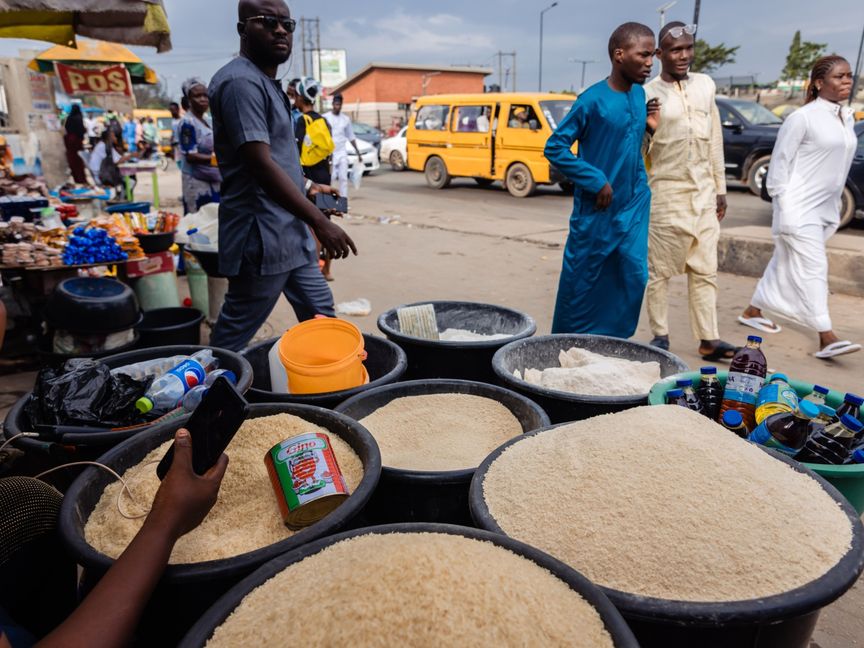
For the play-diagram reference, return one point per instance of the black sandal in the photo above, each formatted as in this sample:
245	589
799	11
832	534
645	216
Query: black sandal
661	342
723	351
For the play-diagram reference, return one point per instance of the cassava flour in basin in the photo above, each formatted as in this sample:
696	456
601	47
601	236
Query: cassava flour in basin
414	589
591	374
460	335
438	432
246	516
662	502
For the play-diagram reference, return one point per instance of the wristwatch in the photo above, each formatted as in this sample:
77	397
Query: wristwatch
308	185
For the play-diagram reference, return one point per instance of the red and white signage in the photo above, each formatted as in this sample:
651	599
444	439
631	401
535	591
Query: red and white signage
112	80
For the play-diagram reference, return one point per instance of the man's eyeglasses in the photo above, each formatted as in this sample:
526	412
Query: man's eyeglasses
272	22
678	32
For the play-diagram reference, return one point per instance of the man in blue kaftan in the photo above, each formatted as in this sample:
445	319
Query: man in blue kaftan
605	266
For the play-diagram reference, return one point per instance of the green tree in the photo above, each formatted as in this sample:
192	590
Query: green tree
802	55
151	96
709	58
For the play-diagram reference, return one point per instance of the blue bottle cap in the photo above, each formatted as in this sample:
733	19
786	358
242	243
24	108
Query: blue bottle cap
854	399
780	376
674	393
684	382
708	371
852	423
819	389
732	419
754	338
858	456
827	411
808	409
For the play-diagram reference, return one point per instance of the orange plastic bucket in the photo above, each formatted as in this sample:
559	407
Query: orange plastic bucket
323	355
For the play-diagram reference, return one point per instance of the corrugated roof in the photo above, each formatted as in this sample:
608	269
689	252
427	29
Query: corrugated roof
485	71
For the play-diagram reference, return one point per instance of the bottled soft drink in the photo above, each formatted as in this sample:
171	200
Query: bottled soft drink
710	392
827	415
746	376
817	395
787	431
775	397
167	391
733	422
147	368
851	406
219	373
832	445
194	397
676	397
690	396
857	456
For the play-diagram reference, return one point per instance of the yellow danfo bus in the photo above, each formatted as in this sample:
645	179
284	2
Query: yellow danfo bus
488	137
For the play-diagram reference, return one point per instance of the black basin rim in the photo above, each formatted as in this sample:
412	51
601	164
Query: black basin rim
89	557
800	601
447	386
621	634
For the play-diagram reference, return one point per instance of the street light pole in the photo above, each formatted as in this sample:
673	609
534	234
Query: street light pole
662	11
540	75
858	63
584	63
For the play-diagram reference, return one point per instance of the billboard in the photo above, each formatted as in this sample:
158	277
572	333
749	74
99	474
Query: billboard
113	79
330	66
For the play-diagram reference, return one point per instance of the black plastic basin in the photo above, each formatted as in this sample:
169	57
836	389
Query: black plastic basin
542	352
187	590
621	635
170	326
385	364
426	496
92	305
460	360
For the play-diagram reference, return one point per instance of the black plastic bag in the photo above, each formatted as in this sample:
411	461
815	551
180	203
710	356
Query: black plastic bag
85	392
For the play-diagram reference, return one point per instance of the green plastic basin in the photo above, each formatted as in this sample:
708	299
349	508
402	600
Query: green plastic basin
849	480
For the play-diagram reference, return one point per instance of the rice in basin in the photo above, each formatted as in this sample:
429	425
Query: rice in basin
664	503
246	514
414	589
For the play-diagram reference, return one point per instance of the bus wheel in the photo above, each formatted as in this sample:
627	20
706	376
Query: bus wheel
520	182
436	173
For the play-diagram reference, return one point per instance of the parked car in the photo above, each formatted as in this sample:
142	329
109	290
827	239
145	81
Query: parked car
369	154
749	133
368	133
395	150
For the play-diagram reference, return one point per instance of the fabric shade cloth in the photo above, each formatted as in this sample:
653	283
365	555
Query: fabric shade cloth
133	22
94	53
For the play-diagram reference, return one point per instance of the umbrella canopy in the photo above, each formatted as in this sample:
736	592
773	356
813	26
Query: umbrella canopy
134	22
94	52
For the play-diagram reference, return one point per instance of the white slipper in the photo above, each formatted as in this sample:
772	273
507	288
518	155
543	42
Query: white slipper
760	324
837	348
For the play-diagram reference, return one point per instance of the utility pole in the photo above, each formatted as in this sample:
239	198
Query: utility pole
310	37
662	11
540	75
696	17
858	71
503	72
584	63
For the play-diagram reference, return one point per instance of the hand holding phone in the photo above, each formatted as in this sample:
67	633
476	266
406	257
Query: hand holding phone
211	427
329	203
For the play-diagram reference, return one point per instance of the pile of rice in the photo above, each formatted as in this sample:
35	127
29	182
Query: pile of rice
246	515
662	502
439	432
417	589
591	374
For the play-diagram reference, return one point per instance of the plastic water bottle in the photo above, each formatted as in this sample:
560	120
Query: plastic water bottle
710	392
690	397
745	379
775	397
787	431
832	445
676	397
734	422
147	368
818	395
229	375
167	392
200	241
194	396
827	415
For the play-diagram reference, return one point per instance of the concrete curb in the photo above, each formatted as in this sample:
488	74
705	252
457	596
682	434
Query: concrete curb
747	250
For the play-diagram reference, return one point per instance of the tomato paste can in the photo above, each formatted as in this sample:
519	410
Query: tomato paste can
306	478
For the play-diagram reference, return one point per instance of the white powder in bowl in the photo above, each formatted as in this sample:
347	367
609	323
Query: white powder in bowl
438	432
662	502
591	374
414	589
461	335
246	515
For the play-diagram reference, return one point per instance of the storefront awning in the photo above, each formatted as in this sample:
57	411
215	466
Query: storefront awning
94	53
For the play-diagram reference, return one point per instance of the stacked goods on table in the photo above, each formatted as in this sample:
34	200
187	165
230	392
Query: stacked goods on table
160	222
28	244
93	245
22	185
121	231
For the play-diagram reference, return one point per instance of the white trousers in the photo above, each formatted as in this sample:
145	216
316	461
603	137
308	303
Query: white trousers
339	177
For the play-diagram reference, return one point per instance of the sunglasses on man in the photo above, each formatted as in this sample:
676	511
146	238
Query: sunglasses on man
678	32
272	22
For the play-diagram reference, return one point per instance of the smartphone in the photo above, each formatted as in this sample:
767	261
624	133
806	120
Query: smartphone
325	202
212	426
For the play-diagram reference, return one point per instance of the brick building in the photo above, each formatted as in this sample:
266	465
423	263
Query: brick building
382	92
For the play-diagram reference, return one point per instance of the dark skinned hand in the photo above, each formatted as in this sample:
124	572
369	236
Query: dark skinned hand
604	198
335	243
653	119
721	207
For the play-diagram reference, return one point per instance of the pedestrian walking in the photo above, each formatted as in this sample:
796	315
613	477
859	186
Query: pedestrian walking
265	217
74	143
201	177
343	134
809	165
314	139
605	266
687	177
129	130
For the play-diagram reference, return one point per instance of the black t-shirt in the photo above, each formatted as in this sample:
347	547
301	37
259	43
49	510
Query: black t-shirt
318	173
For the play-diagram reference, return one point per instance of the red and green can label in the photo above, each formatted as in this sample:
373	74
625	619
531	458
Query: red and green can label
303	469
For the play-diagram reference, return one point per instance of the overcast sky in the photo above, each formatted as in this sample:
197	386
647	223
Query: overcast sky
458	32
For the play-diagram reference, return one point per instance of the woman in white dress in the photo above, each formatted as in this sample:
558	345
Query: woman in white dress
808	170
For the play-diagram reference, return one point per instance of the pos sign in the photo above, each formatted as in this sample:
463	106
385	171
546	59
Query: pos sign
85	81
